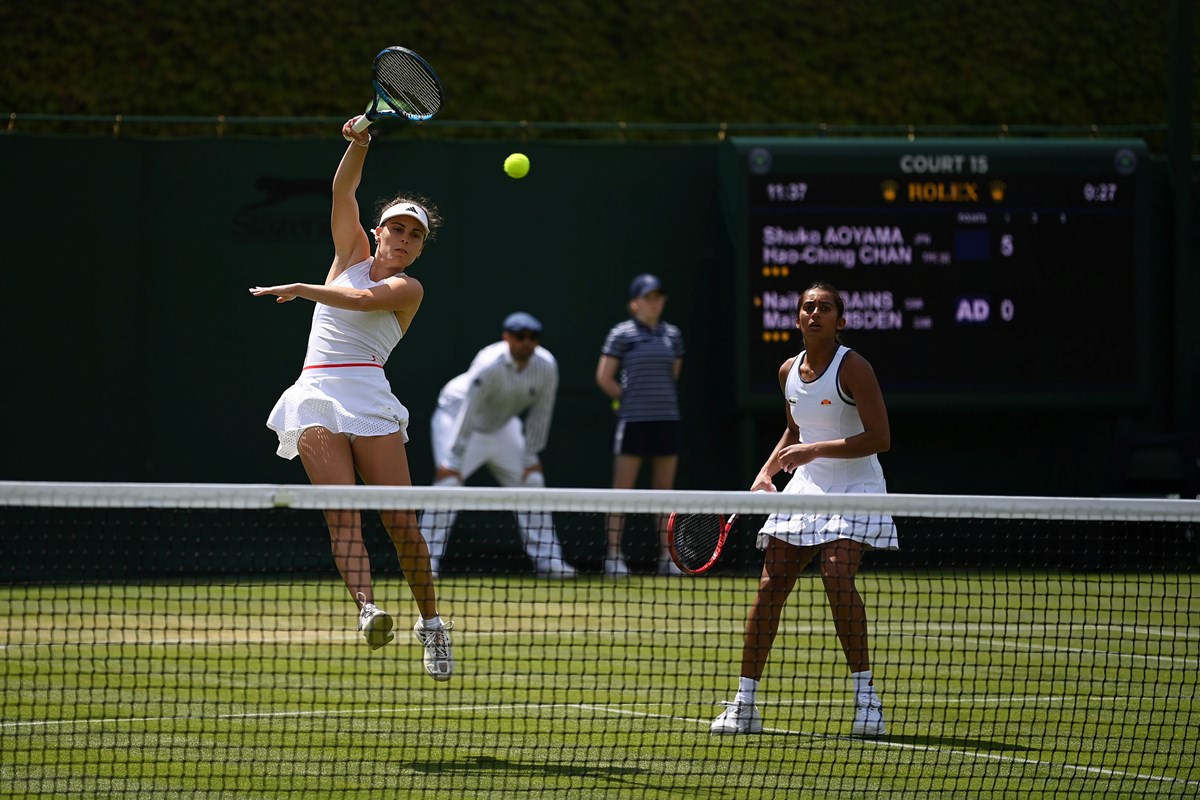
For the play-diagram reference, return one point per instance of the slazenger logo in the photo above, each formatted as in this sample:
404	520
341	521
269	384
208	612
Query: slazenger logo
282	213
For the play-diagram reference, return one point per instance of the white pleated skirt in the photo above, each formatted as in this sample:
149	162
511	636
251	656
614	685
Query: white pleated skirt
809	530
352	400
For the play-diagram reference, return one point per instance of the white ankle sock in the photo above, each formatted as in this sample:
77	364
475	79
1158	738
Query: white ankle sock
862	682
432	623
747	690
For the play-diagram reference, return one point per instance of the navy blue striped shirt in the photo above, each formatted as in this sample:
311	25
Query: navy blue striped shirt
647	370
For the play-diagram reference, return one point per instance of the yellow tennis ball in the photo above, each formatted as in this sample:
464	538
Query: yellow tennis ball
516	165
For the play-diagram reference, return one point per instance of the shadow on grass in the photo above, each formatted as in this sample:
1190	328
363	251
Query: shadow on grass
635	780
943	742
488	765
957	743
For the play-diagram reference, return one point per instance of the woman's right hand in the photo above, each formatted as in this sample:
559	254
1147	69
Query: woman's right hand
763	483
361	138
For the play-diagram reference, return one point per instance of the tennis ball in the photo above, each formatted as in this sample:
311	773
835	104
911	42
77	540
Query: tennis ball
516	165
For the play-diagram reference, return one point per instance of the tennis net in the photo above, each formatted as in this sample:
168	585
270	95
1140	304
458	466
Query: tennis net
165	640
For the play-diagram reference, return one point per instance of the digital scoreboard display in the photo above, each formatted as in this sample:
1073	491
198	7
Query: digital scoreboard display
995	271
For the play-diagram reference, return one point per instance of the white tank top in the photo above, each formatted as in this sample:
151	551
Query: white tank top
823	413
340	336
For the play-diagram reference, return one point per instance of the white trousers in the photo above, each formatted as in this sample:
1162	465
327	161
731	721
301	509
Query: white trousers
503	453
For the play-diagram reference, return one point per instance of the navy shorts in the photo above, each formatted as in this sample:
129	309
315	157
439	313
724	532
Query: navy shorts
648	439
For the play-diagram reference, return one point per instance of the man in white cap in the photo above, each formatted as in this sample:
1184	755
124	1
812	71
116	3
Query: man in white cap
497	414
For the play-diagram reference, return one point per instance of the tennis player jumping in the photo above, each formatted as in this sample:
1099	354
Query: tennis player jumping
836	423
340	416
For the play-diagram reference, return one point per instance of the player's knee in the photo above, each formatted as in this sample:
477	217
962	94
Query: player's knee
839	586
535	479
771	583
835	572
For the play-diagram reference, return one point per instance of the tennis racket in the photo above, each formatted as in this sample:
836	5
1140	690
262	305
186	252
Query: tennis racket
697	540
405	86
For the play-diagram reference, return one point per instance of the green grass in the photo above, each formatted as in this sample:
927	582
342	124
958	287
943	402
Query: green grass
996	684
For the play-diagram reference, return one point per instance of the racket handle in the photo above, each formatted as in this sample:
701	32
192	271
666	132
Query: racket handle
360	124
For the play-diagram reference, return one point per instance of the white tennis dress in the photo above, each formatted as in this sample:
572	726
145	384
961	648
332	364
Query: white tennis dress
343	387
823	413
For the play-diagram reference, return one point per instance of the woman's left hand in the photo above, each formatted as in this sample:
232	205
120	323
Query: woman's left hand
283	293
795	455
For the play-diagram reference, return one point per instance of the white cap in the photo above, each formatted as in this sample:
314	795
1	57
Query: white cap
406	210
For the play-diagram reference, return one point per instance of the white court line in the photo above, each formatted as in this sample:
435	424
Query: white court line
1019	629
1003	644
897	700
220	637
410	710
270	715
216	638
1034	762
961	699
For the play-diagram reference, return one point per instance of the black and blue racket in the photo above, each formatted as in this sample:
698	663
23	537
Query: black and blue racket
405	86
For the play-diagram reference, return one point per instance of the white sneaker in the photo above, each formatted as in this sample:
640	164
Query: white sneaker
555	569
616	568
374	624
737	718
868	716
439	658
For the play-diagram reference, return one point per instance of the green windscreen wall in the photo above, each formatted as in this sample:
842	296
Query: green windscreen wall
135	352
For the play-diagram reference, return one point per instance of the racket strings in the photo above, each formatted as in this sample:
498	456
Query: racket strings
695	538
408	85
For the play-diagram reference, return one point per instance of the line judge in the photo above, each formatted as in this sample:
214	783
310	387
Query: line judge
497	415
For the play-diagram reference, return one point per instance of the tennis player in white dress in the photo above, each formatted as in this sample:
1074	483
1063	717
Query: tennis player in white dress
340	416
836	424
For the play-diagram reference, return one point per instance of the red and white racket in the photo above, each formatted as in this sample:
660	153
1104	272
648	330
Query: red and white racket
697	540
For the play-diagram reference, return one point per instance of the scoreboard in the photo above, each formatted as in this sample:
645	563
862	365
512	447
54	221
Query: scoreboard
973	271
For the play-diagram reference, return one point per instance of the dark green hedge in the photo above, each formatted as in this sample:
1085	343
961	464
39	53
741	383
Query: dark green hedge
860	62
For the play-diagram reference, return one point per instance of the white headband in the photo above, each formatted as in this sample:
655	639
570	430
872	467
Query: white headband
406	210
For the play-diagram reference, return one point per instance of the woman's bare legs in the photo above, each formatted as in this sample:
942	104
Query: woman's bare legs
329	461
840	561
782	565
383	461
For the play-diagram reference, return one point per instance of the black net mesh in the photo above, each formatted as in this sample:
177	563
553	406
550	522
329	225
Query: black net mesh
208	648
